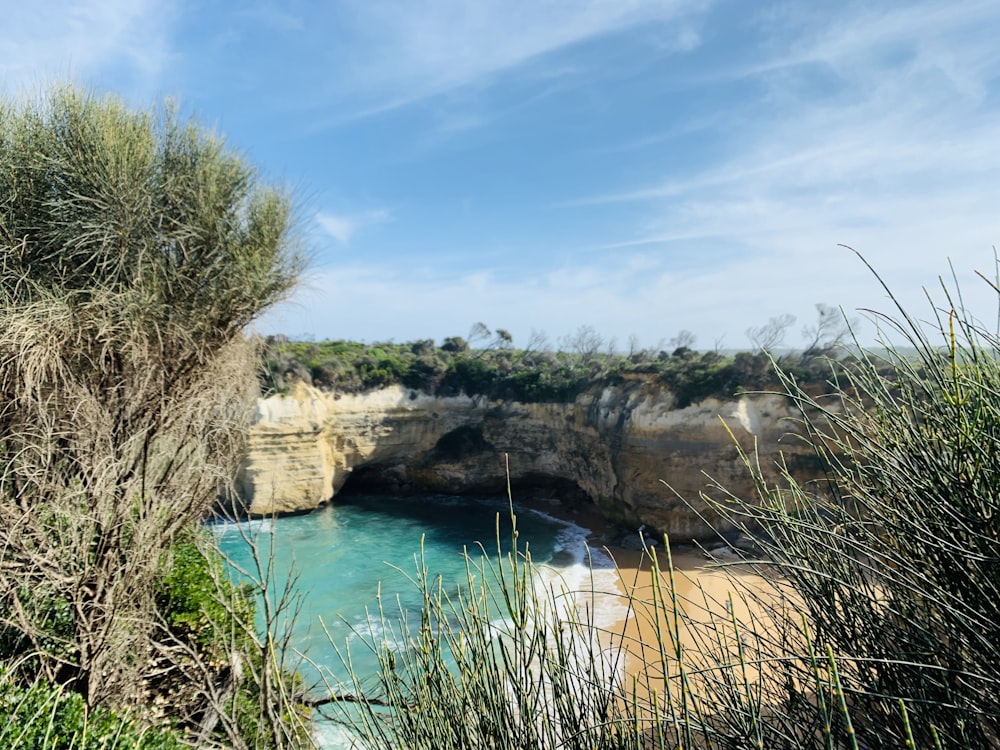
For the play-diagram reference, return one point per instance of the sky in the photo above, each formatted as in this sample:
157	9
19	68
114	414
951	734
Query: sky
641	167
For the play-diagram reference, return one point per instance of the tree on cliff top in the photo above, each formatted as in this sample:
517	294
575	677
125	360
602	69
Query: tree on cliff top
134	249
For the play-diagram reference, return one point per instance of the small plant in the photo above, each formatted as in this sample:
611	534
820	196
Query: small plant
42	716
231	660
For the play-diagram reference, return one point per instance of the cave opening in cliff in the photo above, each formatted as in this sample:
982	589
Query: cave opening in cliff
526	488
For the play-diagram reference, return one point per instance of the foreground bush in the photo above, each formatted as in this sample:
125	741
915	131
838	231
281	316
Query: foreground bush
134	249
881	629
896	559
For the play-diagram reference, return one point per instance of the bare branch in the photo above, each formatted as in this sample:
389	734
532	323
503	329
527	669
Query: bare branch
768	337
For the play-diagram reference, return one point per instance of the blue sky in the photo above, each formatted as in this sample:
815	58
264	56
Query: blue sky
638	166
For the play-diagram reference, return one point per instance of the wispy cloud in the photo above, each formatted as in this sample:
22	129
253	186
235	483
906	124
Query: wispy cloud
952	37
877	129
405	52
628	296
70	39
343	227
272	16
637	294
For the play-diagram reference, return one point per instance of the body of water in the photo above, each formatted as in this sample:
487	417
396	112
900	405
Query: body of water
341	556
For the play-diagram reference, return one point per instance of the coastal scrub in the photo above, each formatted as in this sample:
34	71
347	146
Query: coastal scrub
135	247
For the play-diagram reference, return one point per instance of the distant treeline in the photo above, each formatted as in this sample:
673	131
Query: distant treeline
501	371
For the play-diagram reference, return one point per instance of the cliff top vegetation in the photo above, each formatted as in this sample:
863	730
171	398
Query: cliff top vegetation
538	372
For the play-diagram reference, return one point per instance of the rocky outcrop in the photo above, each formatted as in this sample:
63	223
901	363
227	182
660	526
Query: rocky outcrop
612	446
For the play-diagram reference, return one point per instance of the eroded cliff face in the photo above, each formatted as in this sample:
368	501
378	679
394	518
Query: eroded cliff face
612	447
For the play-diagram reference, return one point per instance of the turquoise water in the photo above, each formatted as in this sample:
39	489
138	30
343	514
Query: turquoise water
340	555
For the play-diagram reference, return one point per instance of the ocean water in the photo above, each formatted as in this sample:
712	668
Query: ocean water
341	556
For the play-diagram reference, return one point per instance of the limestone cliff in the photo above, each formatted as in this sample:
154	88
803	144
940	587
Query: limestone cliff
611	446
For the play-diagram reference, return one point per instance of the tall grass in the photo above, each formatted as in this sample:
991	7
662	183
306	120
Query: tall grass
896	557
506	661
875	623
499	663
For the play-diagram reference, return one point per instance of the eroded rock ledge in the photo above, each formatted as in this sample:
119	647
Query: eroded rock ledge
611	446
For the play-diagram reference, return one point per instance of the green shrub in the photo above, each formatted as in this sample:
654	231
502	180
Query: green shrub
191	602
694	377
469	376
42	716
136	248
506	373
423	374
215	622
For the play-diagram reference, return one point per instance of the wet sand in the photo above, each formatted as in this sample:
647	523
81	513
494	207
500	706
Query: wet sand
715	604
716	601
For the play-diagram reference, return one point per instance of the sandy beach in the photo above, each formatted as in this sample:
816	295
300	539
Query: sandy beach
716	600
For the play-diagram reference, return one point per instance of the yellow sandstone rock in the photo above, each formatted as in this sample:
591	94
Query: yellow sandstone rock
610	446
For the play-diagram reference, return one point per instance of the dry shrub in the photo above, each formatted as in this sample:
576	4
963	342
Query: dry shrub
134	249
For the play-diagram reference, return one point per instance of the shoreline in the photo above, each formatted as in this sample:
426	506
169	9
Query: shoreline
637	619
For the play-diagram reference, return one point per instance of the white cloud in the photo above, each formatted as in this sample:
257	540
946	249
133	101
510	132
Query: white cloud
272	16
82	39
954	37
633	295
342	227
896	157
406	51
